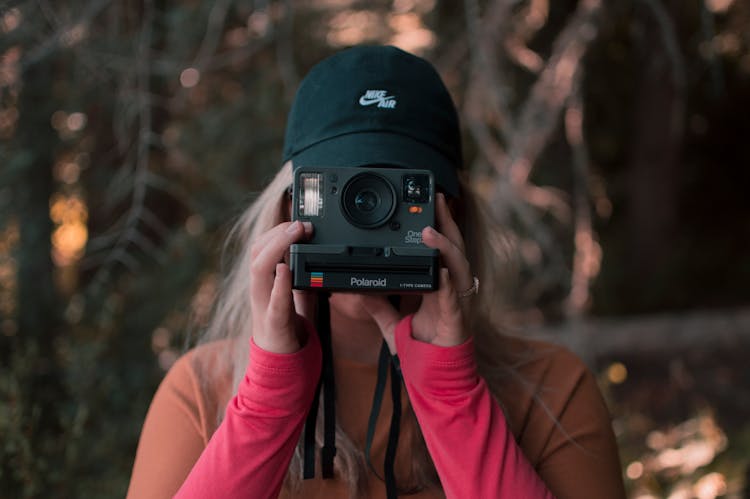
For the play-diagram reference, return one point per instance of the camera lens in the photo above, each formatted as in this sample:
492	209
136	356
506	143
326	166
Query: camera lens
368	200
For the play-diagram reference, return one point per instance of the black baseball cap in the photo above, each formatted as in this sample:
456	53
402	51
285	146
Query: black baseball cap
375	105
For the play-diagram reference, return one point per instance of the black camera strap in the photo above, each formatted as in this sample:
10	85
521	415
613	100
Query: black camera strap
327	385
386	362
308	470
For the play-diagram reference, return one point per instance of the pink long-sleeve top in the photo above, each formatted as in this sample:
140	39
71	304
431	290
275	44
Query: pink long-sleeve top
469	438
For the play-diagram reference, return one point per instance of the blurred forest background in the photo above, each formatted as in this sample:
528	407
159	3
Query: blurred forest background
609	138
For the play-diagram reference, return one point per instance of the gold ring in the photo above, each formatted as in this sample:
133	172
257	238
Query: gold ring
473	290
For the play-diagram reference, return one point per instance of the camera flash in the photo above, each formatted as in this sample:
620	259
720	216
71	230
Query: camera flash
415	209
311	195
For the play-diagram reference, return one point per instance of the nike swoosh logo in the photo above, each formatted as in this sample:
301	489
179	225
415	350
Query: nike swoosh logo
363	101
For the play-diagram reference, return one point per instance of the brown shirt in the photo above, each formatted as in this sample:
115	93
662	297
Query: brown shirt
554	409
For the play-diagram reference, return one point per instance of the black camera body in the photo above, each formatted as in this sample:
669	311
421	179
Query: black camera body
367	229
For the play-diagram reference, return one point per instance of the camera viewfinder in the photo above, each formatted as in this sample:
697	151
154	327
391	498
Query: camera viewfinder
416	188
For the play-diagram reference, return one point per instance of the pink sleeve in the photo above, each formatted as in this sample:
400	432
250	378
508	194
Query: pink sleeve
249	453
464	427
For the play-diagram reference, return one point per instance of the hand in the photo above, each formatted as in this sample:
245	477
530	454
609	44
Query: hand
277	312
439	320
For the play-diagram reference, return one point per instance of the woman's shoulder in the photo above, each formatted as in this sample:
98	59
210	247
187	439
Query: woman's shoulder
201	363
544	362
200	382
551	395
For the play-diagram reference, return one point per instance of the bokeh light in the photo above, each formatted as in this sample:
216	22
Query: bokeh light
718	6
67	172
195	225
352	27
9	236
190	77
160	339
9	70
617	373
634	470
10	20
70	214
76	121
258	24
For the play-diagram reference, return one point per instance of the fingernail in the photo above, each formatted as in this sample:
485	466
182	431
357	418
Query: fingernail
279	268
293	227
429	230
308	226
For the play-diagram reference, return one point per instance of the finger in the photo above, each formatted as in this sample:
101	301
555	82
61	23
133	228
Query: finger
450	330
263	265
280	332
261	241
446	224
280	311
385	316
453	258
305	303
447	296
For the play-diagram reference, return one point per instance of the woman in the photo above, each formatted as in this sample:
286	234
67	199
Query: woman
483	415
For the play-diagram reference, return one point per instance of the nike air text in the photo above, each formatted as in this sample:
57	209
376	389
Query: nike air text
378	97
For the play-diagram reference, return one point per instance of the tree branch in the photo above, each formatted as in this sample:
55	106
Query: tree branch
58	39
538	117
142	113
671	334
587	254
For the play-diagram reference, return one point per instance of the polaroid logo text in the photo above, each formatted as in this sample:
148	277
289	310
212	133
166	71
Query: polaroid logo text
361	282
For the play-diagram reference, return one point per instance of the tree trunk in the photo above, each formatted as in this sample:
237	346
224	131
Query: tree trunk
654	178
35	367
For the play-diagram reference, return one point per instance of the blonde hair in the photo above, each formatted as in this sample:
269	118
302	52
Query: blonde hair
231	317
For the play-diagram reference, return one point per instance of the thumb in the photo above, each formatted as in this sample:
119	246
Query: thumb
385	316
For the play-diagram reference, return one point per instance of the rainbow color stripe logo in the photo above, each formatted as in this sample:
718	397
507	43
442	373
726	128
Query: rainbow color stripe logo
316	279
